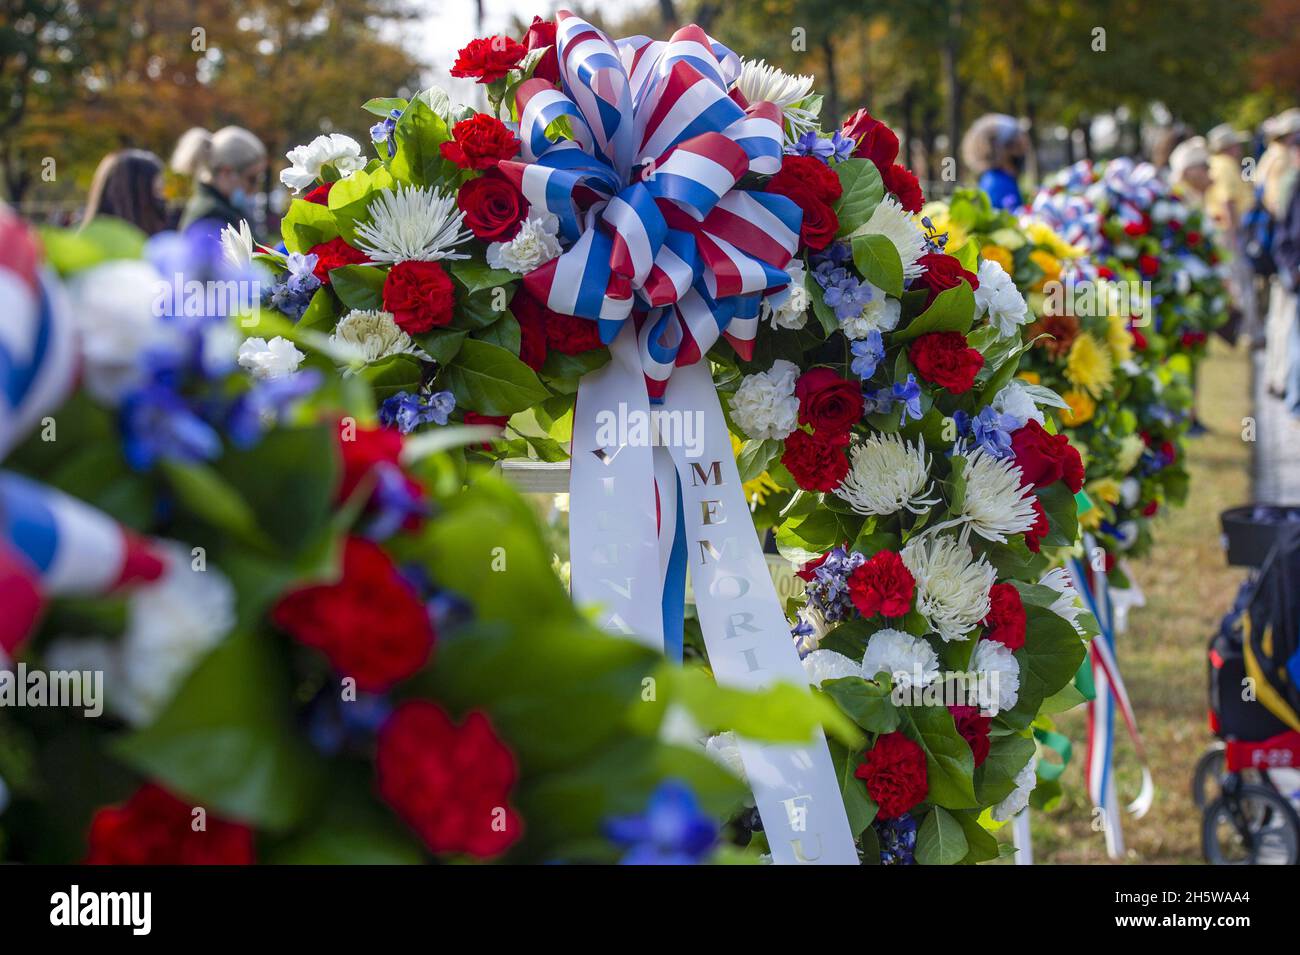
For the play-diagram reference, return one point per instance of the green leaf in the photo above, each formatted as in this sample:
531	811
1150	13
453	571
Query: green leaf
825	314
1048	661
755	456
418	135
868	703
359	286
941	839
390	375
949	764
207	495
488	379
860	807
307	224
1062	514
878	261
383	105
862	191
1066	698
350	198
478	276
504	331
564	371
953	310
321	314
102	239
982	846
996	777
441	344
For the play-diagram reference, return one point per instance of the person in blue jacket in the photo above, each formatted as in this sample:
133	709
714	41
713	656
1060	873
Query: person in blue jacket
994	149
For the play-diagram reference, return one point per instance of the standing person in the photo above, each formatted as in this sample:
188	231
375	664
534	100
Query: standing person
995	149
1286	253
1277	176
1227	201
128	186
227	167
1189	173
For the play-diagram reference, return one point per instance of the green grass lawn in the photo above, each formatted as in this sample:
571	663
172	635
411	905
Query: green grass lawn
1188	588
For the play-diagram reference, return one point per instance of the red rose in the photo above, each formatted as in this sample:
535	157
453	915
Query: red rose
363	450
1006	620
320	195
875	140
882	585
817	462
420	296
449	783
542	34
1046	458
894	771
480	142
369	624
828	402
1034	536
1105	273
153	827
809	172
943	272
488	58
819	224
900	181
974	729
493	207
945	359
1148	265
1149	510
334	254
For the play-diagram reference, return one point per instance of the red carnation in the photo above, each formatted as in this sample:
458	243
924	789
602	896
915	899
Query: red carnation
943	272
1148	265
493	207
828	402
542	330
945	359
1193	237
488	58
1140	227
365	449
450	783
420	296
875	140
817	462
894	771
369	624
900	181
334	254
1150	508
542	34
153	827
480	142
1034	536
882	585
1046	458
974	729
809	172
1006	620
320	195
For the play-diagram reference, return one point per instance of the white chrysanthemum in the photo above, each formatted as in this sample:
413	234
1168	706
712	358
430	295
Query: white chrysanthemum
343	152
896	224
536	243
366	335
1066	605
999	299
760	83
998	676
237	244
792	310
952	588
1016	402
277	358
1018	799
880	314
823	665
764	406
996	504
887	474
909	660
412	224
724	749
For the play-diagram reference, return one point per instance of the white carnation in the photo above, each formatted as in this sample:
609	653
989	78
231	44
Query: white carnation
1026	779
1015	401
277	358
536	243
764	406
952	588
823	665
792	308
724	749
909	660
343	152
881	314
998	676
998	298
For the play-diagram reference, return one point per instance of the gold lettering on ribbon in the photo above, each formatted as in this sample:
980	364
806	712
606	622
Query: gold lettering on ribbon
800	855
699	475
711	513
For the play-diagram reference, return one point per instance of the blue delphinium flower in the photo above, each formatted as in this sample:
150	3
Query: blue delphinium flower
839	147
842	292
334	724
381	134
867	354
990	430
828	590
803	633
673	829
265	404
158	423
407	411
394	502
907	393
294	290
897	840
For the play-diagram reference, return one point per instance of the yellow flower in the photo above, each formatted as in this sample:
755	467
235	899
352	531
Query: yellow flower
1119	339
1130	450
1040	233
1030	376
757	489
1011	239
1081	409
995	253
1089	365
1050	265
937	213
1091	520
1106	489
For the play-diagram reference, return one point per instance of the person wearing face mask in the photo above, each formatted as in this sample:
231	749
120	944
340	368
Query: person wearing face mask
128	186
995	149
228	168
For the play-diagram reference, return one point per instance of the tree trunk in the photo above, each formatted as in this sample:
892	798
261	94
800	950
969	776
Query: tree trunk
949	54
832	104
668	13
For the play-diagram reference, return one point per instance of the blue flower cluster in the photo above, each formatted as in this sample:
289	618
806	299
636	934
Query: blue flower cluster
406	412
905	393
842	291
990	430
293	292
673	829
839	147
897	840
828	590
381	134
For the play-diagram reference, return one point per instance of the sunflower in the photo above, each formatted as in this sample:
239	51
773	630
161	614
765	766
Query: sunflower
1081	409
1088	365
996	253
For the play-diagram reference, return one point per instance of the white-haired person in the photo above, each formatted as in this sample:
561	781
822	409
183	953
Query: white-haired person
228	167
1276	177
1227	202
995	149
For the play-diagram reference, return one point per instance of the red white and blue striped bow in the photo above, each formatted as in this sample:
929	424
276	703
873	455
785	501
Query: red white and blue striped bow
645	190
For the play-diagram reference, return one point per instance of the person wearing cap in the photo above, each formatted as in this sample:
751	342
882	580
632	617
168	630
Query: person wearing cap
995	149
1286	253
1276	176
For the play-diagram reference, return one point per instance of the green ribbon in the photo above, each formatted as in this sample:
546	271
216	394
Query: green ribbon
1059	744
